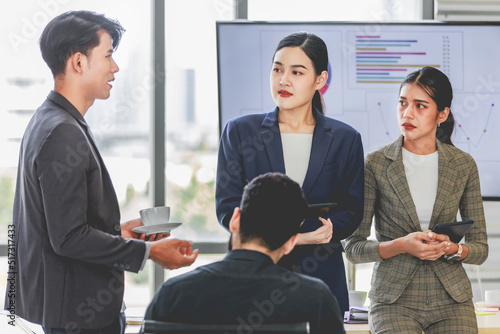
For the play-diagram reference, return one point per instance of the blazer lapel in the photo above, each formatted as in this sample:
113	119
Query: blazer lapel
105	174
322	140
447	175
271	137
66	105
397	177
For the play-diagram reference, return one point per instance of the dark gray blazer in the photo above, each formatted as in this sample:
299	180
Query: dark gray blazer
388	198
70	256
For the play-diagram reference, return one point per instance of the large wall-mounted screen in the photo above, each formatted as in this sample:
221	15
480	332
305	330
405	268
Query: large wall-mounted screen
367	62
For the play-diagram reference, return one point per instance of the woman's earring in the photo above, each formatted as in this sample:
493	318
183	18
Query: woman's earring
439	124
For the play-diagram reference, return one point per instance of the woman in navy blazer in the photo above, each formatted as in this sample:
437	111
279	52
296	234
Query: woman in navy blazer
252	145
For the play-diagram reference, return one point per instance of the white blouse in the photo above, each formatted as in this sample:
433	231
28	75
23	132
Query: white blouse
422	175
296	153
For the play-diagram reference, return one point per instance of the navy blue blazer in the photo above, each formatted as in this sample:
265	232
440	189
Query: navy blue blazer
251	145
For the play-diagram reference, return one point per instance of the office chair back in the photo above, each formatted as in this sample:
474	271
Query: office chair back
160	327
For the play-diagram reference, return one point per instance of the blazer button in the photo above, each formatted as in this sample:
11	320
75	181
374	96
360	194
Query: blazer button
115	265
122	266
127	266
118	228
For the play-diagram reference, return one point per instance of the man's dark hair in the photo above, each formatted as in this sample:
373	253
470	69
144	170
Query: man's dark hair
72	32
272	210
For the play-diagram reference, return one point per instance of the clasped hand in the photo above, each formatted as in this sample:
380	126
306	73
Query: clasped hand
427	245
321	235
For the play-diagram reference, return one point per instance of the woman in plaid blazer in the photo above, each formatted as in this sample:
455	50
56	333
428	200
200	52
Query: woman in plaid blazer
412	184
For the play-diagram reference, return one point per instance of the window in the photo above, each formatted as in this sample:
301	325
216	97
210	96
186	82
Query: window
325	10
192	133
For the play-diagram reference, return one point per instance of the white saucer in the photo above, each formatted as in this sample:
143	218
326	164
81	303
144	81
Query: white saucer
158	228
489	304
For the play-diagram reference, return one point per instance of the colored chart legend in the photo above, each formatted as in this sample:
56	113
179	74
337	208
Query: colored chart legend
387	58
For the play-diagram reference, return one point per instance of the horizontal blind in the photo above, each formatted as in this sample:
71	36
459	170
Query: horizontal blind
467	10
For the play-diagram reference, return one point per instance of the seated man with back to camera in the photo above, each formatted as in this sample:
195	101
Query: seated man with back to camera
247	288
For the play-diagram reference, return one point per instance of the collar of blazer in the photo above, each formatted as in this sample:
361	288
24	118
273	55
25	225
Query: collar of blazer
66	105
393	150
322	138
60	100
447	175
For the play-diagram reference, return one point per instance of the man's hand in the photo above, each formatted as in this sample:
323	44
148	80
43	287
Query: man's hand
131	224
172	253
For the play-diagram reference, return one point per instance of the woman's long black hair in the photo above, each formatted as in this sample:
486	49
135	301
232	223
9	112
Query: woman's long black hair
437	85
314	48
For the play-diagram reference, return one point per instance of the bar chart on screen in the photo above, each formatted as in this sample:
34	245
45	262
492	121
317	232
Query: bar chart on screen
388	57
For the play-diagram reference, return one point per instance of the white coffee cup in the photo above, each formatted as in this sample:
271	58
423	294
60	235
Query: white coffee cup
155	216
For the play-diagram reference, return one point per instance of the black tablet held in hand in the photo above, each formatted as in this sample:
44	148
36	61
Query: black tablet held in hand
320	209
455	231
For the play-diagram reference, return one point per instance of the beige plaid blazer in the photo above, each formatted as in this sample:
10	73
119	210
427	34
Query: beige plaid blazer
388	198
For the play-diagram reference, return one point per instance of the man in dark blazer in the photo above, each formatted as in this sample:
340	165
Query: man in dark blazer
70	248
247	288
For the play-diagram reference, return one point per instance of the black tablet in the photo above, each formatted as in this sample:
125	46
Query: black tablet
320	209
455	231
